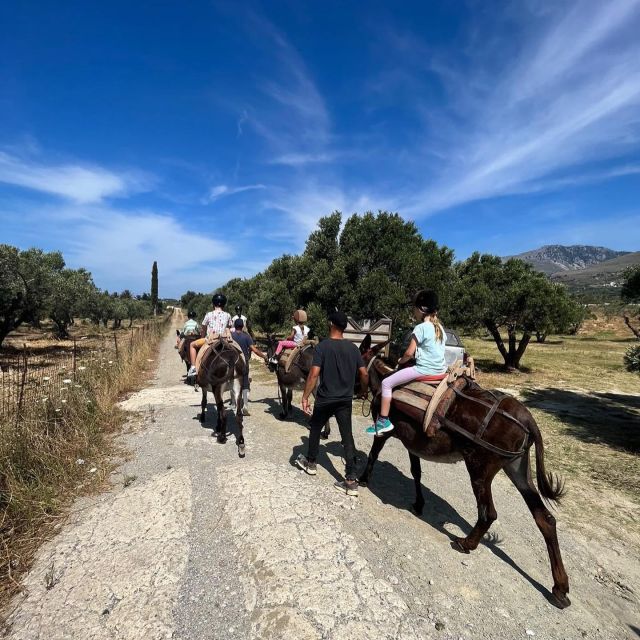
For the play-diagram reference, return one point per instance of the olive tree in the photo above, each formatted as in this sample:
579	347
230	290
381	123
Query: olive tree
511	301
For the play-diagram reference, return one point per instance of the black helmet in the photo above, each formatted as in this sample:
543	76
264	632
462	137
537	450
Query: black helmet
219	300
191	315
238	309
427	301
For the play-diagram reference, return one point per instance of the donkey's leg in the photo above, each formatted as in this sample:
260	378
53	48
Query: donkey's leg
203	405
482	470
376	448
519	472
416	472
237	390
221	424
289	400
283	401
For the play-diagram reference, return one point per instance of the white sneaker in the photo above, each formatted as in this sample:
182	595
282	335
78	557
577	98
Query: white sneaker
192	372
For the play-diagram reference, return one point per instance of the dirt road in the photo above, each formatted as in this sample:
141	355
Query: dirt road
193	542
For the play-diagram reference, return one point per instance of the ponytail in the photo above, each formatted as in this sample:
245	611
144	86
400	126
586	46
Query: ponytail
433	319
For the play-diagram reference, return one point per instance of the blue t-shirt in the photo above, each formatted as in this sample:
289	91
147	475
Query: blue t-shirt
245	342
429	352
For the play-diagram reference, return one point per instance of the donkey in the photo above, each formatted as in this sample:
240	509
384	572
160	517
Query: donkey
295	378
511	431
222	370
183	350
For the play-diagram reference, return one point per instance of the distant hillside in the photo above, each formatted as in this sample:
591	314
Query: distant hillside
556	258
603	278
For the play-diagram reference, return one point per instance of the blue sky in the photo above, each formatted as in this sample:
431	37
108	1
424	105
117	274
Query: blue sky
211	136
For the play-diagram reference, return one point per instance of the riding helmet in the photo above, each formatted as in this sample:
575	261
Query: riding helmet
300	315
219	300
427	301
238	309
191	315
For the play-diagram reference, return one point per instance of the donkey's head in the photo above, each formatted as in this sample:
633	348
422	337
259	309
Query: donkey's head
369	352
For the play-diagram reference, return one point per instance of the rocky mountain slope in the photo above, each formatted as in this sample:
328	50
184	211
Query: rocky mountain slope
555	258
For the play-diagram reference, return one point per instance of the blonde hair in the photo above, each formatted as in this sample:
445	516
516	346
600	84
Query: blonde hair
433	319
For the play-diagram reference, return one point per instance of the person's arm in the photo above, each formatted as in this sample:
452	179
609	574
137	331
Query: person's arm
312	380
410	352
291	335
364	382
257	351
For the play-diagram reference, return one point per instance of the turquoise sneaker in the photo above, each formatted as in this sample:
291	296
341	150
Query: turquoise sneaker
382	425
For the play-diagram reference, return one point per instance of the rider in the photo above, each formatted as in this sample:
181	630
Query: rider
239	316
427	346
298	333
246	343
216	321
336	362
190	328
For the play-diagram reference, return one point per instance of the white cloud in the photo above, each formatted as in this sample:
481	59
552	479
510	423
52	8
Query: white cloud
79	183
572	98
223	190
300	159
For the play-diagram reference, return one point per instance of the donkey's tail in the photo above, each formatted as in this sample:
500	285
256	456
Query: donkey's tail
550	485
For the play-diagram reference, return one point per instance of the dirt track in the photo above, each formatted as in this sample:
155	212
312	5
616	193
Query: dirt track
202	544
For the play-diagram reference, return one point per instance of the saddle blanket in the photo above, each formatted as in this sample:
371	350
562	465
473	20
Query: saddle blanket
212	342
432	399
290	355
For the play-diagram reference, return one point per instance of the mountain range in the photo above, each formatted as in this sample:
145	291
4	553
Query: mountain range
590	271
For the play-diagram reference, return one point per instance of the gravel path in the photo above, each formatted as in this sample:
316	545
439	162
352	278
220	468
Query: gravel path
193	542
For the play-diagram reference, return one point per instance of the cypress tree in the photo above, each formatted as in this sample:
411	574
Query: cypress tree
154	288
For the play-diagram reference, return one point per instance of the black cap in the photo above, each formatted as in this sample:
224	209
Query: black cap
339	319
239	323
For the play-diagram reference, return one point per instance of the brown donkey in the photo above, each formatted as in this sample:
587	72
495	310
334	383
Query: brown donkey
221	370
509	429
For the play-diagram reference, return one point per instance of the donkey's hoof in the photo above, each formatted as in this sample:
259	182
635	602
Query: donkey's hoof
417	509
559	599
459	545
241	452
221	438
282	416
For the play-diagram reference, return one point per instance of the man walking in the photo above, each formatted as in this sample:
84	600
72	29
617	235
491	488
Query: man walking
336	362
246	344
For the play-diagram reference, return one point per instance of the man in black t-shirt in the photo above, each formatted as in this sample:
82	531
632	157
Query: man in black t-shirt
336	362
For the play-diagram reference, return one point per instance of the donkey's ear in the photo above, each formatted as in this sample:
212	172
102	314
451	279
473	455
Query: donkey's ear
380	346
366	344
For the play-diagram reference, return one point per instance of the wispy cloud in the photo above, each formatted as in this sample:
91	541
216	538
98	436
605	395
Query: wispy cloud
119	246
223	190
81	183
572	98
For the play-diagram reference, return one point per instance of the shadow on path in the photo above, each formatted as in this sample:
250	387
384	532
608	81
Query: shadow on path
392	487
607	418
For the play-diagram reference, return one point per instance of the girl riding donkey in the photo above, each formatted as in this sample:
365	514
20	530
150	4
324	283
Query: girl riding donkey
298	333
427	346
216	321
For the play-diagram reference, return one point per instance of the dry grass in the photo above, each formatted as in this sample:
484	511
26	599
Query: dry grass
54	451
588	409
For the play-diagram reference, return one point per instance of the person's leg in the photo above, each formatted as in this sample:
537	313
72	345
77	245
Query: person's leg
383	424
321	414
342	413
245	393
282	344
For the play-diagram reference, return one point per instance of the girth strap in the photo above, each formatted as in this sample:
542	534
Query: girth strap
480	442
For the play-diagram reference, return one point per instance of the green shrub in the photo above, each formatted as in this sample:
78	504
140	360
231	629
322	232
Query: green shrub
632	359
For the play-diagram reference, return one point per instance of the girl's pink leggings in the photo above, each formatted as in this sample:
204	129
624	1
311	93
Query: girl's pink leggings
399	377
282	344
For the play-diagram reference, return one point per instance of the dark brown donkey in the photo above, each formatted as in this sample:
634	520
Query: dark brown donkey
485	417
183	351
295	378
222	370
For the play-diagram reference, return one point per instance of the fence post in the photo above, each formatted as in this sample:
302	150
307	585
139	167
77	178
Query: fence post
115	342
73	361
22	385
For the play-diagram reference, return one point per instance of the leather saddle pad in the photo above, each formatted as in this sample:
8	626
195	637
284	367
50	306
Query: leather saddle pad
431	400
292	356
212	344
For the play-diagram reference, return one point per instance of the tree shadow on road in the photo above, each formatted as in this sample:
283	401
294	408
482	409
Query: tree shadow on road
606	418
392	487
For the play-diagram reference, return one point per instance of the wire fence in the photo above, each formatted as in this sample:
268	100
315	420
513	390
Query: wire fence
35	378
